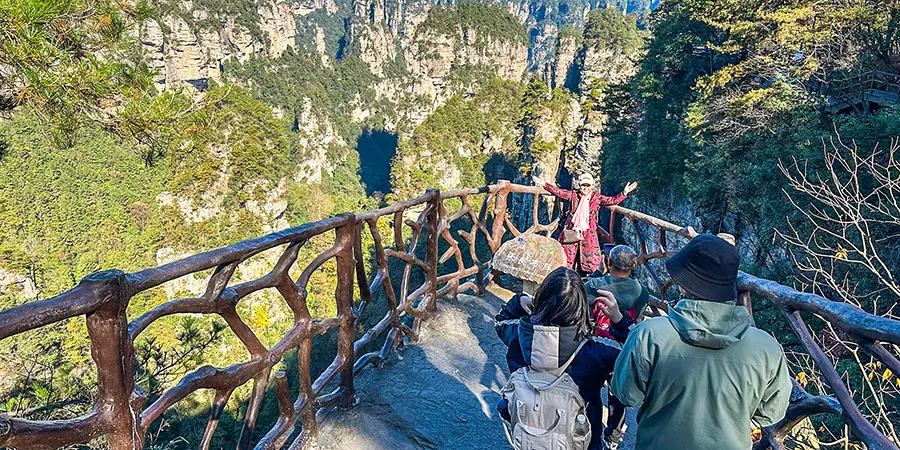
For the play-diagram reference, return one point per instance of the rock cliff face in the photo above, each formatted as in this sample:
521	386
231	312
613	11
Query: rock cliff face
316	136
187	44
561	71
547	152
422	51
600	66
420	54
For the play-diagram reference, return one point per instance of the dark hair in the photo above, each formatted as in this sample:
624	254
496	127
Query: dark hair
623	258
560	300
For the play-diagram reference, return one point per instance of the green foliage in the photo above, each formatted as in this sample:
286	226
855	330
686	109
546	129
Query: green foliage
541	105
726	90
333	26
237	128
570	32
243	13
94	206
483	20
50	51
67	213
451	141
296	80
152	122
468	78
609	28
720	98
158	364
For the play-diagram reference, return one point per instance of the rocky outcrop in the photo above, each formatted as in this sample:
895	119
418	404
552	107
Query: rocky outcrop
321	47
606	65
416	61
315	136
600	67
278	23
563	72
375	45
304	7
543	40
183	49
434	55
547	150
18	286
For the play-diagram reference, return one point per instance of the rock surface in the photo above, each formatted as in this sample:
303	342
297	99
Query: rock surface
438	393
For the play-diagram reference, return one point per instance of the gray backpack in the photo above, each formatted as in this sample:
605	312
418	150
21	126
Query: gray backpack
546	410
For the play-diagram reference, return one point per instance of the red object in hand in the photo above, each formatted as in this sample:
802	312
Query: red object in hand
603	323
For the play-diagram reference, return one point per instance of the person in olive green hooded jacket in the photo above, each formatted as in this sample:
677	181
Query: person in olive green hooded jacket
704	372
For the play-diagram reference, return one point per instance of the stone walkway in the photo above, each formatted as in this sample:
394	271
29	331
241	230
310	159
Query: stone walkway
439	393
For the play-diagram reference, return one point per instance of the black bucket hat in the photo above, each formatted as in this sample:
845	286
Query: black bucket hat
706	267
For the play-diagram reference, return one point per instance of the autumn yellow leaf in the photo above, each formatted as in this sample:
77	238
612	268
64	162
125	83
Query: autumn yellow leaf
802	379
887	374
756	434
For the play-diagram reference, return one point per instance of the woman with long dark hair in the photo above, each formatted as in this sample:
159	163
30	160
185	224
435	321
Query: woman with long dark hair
545	333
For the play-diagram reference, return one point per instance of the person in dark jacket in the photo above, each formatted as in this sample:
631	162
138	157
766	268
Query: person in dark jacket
631	297
544	333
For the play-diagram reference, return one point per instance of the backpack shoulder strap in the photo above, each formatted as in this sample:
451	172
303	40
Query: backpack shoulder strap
558	372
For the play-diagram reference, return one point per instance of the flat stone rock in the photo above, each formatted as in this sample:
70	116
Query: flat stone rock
440	393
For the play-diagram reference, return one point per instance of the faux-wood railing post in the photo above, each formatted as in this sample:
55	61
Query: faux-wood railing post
431	246
498	228
346	263
113	353
116	410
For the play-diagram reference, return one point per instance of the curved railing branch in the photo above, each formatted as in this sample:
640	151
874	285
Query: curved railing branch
409	275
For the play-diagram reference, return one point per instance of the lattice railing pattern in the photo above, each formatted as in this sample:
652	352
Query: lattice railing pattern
120	412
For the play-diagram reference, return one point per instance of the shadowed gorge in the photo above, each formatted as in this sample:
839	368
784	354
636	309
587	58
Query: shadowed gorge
376	148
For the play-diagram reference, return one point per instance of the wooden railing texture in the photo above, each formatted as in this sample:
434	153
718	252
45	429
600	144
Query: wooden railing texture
468	232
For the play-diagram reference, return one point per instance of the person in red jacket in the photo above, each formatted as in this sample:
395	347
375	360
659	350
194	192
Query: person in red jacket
579	236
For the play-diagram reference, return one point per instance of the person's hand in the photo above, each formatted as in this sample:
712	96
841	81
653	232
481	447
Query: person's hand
527	303
630	187
538	181
610	307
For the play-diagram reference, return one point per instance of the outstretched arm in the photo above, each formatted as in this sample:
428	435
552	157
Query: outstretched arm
563	194
606	200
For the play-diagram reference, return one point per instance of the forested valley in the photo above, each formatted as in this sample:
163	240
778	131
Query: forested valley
136	133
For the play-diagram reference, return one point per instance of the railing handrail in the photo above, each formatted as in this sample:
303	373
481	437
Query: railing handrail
103	298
